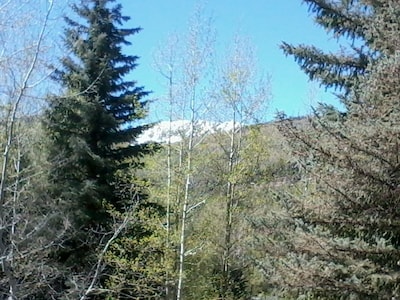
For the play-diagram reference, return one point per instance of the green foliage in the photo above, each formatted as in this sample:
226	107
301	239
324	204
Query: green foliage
91	125
206	222
92	132
343	19
341	230
136	258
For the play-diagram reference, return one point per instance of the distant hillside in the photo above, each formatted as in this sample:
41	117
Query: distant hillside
179	129
175	131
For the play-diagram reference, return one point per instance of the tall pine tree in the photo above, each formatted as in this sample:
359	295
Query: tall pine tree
345	20
343	233
92	127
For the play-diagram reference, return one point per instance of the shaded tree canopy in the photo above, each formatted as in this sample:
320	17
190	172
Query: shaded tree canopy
92	125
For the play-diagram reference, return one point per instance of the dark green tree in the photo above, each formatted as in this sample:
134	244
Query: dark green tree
342	229
93	126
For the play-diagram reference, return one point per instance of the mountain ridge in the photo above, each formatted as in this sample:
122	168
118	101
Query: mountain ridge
174	131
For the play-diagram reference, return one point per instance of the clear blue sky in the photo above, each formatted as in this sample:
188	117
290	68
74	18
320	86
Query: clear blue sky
266	22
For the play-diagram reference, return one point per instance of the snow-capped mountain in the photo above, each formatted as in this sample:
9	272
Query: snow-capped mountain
181	128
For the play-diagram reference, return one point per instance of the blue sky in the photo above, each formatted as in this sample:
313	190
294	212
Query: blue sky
266	22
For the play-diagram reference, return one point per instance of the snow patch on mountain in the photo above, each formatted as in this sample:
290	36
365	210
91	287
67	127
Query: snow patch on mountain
179	129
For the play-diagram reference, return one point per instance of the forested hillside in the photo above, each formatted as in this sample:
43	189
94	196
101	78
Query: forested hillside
224	206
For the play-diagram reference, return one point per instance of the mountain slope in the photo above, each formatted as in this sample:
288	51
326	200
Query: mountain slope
179	129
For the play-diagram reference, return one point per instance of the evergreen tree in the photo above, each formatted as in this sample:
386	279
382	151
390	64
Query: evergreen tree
91	126
342	232
344	19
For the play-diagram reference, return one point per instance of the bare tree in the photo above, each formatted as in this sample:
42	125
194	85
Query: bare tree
25	217
185	64
241	96
196	63
167	62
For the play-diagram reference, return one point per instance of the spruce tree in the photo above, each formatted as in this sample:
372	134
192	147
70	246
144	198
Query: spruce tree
343	233
345	20
93	126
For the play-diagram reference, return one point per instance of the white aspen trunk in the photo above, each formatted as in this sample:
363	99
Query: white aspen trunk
169	184
193	64
228	213
166	62
186	197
